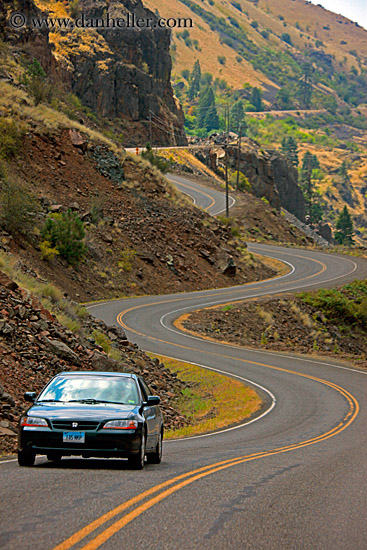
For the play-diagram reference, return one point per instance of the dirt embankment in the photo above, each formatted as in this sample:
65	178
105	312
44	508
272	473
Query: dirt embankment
142	236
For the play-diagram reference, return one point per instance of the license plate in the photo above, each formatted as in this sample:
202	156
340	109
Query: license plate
73	437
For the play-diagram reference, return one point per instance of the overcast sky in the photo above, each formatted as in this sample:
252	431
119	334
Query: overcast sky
356	10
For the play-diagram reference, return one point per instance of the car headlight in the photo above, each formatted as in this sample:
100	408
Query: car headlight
33	421
121	424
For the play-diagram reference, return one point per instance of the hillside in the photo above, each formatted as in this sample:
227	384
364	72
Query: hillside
285	68
118	76
261	26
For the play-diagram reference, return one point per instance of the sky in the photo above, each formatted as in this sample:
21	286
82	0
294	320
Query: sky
356	10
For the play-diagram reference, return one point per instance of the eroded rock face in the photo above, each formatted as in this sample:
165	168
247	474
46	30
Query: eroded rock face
119	73
129	74
268	173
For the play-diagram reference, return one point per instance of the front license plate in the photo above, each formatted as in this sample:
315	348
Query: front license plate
73	437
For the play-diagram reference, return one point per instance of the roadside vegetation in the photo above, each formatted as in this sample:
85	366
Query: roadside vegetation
211	400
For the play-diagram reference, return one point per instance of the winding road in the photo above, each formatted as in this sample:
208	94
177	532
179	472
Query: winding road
294	477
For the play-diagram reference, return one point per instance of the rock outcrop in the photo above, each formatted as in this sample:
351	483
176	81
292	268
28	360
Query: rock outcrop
267	172
120	74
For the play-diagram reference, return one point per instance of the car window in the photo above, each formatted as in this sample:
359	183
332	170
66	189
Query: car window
104	388
144	389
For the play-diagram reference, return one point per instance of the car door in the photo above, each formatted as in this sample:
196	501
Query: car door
150	414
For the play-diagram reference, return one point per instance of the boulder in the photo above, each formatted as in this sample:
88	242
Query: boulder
62	350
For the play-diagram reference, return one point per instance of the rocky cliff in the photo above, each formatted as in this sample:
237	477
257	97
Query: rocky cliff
268	174
120	74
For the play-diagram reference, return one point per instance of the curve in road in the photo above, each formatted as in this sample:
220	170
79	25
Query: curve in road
294	479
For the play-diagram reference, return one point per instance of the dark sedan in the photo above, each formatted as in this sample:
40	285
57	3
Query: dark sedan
99	414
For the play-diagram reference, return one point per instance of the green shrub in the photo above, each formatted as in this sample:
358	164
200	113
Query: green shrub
18	208
65	232
102	340
161	163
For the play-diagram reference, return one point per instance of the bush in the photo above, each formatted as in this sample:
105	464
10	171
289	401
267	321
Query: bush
127	259
286	38
47	251
18	208
65	232
10	138
162	164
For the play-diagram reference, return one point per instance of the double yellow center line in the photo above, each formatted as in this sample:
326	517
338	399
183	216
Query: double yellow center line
159	492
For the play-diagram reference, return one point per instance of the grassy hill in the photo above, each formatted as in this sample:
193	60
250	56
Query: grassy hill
244	45
248	30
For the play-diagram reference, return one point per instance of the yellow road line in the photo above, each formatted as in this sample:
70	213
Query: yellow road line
196	475
200	193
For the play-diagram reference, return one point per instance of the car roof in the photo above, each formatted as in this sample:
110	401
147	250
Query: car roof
98	373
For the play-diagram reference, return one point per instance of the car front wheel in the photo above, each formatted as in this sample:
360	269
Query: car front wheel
136	462
156	457
26	458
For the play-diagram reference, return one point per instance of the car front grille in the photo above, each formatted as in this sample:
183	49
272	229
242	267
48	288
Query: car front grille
84	425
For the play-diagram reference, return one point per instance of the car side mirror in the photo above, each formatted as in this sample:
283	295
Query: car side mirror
152	400
30	396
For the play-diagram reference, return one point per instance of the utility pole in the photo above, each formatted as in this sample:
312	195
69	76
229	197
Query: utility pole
150	129
226	160
238	157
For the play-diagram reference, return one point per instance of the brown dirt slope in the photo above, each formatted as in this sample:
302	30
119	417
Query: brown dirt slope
305	22
148	239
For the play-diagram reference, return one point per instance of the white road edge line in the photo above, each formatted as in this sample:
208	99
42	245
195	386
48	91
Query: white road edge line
265	390
229	346
213	290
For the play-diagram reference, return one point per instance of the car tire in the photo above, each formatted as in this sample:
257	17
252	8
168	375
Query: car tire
54	457
26	458
136	462
156	457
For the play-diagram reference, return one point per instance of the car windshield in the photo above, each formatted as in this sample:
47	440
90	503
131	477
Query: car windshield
91	389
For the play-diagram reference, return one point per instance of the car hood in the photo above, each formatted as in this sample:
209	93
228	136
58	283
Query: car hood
82	411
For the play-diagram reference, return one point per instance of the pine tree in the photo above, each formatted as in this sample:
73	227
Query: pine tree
256	99
343	171
305	85
211	121
237	115
206	100
290	150
344	225
195	81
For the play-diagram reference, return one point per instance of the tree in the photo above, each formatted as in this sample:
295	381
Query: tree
283	98
344	225
256	99
211	121
290	150
343	172
305	85
195	81
206	100
237	114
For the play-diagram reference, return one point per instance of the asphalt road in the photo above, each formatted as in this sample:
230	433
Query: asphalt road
293	478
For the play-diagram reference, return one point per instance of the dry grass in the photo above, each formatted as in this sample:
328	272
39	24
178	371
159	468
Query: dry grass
302	316
265	316
212	401
17	104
